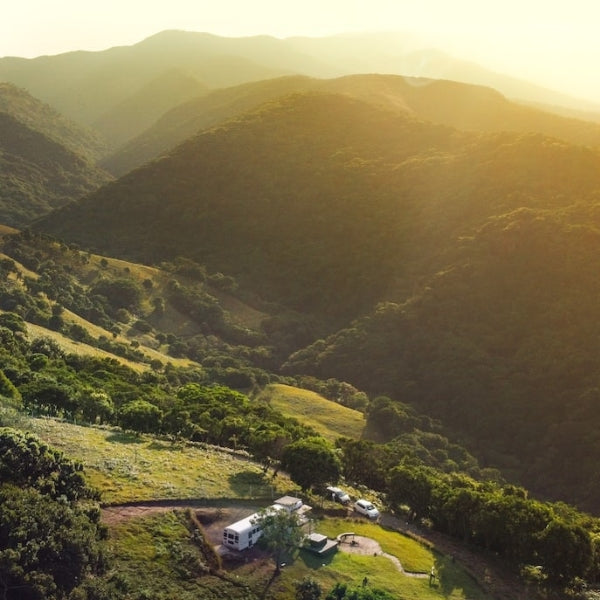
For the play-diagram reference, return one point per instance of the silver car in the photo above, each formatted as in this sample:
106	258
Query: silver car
338	495
366	508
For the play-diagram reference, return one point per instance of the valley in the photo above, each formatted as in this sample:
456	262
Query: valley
231	270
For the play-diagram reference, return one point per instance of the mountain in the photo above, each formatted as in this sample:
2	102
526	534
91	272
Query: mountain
38	174
283	189
275	197
501	345
460	105
189	118
88	86
141	109
85	85
41	117
406	54
458	268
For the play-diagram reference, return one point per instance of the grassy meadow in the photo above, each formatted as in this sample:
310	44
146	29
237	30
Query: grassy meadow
452	581
127	467
329	419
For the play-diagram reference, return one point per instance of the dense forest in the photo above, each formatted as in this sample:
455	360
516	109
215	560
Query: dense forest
423	251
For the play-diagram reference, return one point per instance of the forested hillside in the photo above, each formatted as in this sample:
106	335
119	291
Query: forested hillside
38	174
463	106
22	106
481	246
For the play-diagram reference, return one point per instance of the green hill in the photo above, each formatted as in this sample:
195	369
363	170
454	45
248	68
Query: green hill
40	117
459	105
328	205
189	118
329	419
38	174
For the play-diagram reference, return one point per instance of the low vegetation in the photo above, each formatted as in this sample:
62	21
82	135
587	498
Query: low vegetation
128	467
327	418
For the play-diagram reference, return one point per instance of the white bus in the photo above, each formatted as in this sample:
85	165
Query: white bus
245	533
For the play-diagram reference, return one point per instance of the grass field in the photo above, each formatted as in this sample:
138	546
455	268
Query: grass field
452	582
329	419
127	467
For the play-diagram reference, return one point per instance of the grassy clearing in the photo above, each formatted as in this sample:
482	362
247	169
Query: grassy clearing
127	467
452	582
329	419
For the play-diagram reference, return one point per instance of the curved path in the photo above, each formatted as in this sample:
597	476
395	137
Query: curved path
368	546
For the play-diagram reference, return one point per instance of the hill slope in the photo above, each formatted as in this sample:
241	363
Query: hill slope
36	115
459	105
38	174
292	175
325	197
141	109
485	244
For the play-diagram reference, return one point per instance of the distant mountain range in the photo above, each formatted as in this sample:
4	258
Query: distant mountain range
102	88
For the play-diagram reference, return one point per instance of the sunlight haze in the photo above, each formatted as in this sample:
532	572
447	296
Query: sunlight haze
549	43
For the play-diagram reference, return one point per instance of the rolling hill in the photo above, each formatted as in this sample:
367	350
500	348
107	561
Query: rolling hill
414	232
459	105
99	88
38	174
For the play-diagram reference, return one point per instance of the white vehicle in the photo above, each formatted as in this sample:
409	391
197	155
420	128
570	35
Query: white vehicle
245	533
338	495
366	508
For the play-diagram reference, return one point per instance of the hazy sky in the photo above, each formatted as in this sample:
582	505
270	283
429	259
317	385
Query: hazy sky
552	42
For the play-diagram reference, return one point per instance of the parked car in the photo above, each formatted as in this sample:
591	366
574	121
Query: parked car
366	508
338	495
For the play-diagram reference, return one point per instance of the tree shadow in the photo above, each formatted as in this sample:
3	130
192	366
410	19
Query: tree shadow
316	561
269	584
451	576
249	483
124	437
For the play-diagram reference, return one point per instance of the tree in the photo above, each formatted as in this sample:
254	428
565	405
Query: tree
311	462
565	551
411	485
281	532
45	393
27	461
120	293
47	547
308	589
96	406
341	591
141	416
8	390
